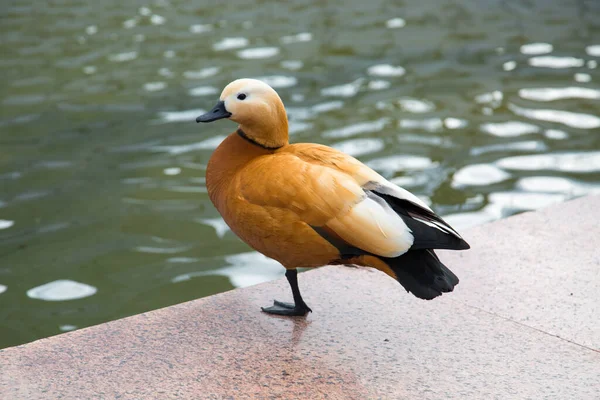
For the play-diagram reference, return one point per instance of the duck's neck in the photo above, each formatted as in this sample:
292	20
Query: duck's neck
270	131
255	142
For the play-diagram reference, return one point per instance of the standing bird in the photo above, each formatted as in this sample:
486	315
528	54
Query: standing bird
307	205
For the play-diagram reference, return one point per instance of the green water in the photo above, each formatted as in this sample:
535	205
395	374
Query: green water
482	108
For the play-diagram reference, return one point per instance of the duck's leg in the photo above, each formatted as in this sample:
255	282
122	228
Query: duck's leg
299	307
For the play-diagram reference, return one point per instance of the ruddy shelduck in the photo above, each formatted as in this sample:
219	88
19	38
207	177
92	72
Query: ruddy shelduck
307	205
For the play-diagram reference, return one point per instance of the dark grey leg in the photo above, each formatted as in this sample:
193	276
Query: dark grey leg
298	308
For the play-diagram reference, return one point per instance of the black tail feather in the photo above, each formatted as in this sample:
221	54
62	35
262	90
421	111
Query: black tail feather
422	273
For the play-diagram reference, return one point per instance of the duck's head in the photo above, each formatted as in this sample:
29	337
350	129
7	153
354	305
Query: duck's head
258	109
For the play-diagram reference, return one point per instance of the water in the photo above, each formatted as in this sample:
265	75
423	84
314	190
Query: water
482	108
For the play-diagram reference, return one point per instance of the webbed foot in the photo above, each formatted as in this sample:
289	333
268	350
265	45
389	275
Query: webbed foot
289	309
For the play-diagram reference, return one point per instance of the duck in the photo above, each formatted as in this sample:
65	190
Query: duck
308	205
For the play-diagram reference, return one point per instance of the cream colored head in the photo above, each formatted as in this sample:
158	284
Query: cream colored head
258	109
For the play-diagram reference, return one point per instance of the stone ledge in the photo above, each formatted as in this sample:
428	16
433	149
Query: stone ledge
521	324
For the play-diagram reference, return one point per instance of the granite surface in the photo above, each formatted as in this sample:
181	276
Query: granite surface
522	324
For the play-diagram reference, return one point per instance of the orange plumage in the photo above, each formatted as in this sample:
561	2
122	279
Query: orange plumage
307	205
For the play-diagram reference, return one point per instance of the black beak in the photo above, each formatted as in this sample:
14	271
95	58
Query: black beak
218	112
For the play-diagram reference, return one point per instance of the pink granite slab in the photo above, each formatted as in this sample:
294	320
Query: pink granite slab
366	339
541	269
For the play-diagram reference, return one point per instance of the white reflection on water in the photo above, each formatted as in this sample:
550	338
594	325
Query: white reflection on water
526	145
5	223
509	65
203	91
278	81
203	73
157	19
230	43
378	84
345	90
122	57
386	70
358	128
582	77
300	37
502	204
427	124
388	166
201	28
172	171
550	94
359	147
509	128
555	184
556	134
67	328
155	86
572	119
416	106
555	62
61	290
217	224
208	144
327	106
479	175
455	123
3	288
180	116
292	64
163	246
575	162
518	201
130	23
258	52
536	48
593	50
494	99
395	23
246	269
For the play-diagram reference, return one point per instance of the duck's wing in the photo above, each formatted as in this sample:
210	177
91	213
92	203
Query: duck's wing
345	201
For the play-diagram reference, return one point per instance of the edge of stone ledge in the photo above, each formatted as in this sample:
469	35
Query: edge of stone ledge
200	300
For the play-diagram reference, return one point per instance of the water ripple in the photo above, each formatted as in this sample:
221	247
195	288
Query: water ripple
395	23
61	290
180	116
359	147
551	94
203	73
358	128
479	174
388	166
5	223
576	162
231	43
279	81
207	144
572	119
509	128
386	70
556	62
300	37
536	48
258	52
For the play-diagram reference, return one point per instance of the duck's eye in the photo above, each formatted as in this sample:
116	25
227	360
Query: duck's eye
241	96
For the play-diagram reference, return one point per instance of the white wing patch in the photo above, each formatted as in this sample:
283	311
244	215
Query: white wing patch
373	226
404	194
